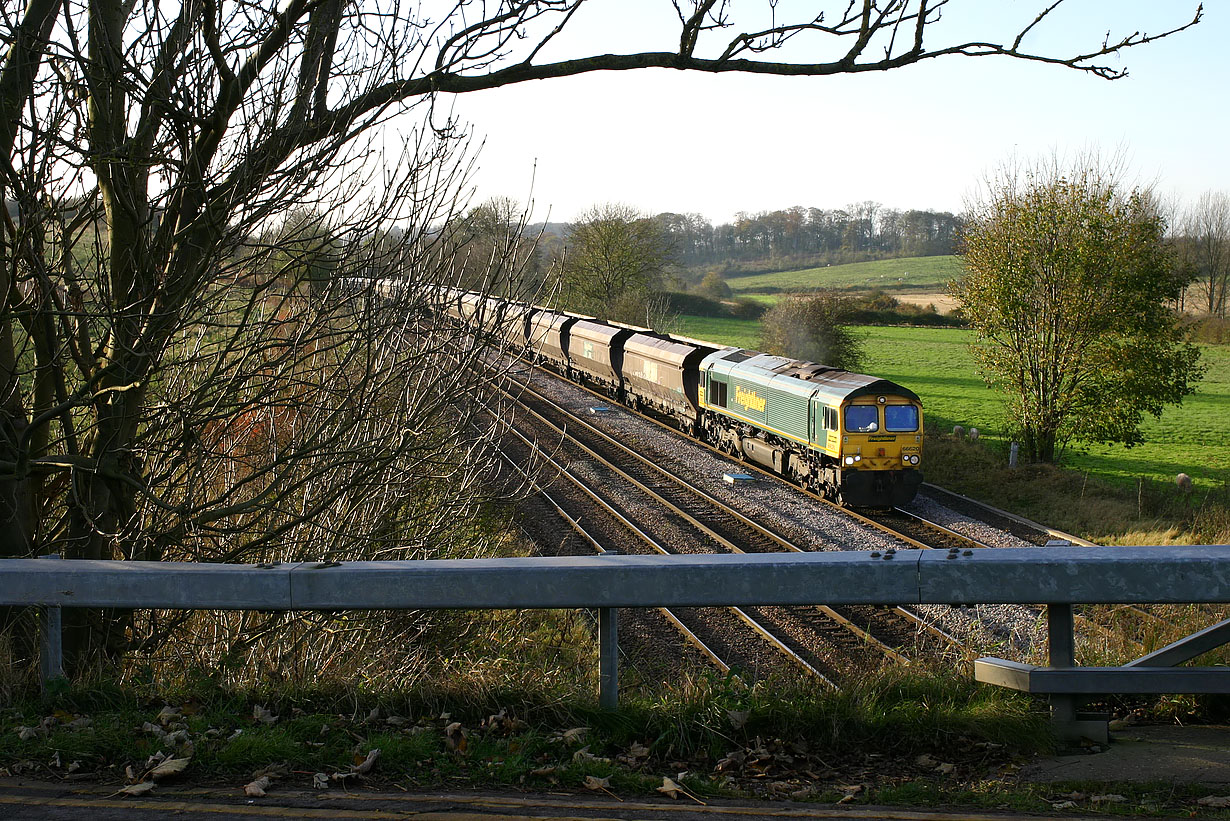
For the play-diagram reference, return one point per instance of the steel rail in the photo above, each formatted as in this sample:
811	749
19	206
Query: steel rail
864	636
763	632
1012	517
923	520
688	635
679	481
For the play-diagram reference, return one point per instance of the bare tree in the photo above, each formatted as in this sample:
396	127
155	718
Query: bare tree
1204	246
169	385
496	250
613	262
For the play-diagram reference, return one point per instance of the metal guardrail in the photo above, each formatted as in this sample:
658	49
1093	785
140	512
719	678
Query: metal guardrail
1056	576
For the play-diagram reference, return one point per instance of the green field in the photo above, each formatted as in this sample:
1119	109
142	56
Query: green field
1193	438
914	273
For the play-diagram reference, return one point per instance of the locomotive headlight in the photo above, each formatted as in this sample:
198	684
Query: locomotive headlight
849	460
913	459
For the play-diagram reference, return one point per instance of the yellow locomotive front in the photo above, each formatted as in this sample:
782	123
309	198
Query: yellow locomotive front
880	449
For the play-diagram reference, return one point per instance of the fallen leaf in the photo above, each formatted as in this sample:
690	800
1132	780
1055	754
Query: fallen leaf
584	756
738	718
259	713
455	737
671	788
1110	798
274	771
576	735
320	781
172	766
177	737
137	789
168	714
925	761
593	782
26	733
1064	805
256	789
1218	801
946	769
365	766
544	771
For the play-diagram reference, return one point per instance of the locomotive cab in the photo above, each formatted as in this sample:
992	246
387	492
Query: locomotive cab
880	450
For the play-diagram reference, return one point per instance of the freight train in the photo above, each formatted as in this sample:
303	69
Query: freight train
856	439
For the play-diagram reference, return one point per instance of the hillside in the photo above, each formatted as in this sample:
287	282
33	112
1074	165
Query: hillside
918	274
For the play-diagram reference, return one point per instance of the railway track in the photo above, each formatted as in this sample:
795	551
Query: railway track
1105	620
854	630
729	638
916	531
909	528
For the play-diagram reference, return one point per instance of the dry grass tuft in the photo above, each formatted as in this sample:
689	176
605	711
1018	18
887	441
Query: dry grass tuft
1074	501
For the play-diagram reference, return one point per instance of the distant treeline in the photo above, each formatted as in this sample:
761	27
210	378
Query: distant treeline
803	237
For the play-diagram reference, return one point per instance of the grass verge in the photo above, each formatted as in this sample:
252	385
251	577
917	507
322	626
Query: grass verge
930	738
714	735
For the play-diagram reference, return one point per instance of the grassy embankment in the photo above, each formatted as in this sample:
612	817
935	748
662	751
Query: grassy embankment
1104	492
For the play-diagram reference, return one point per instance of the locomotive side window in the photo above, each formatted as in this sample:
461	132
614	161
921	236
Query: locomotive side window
830	418
862	419
717	393
900	418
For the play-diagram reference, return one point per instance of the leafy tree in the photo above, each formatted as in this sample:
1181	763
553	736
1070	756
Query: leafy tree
1067	283
714	286
814	327
614	261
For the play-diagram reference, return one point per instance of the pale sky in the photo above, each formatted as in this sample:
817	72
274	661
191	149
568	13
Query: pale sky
918	137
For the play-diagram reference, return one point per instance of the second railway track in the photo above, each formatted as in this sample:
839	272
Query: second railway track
855	633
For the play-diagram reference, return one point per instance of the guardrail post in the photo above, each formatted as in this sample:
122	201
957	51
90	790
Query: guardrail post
608	653
1061	652
608	658
1070	725
51	640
